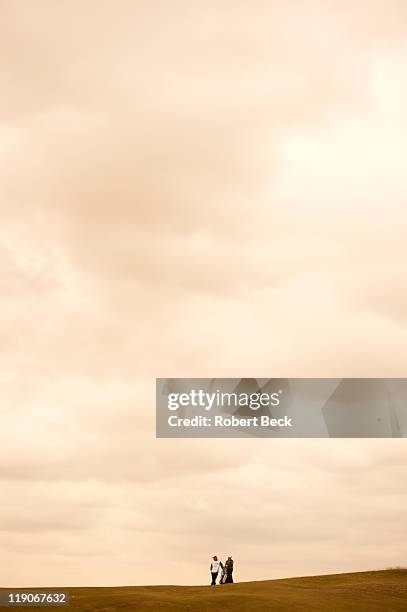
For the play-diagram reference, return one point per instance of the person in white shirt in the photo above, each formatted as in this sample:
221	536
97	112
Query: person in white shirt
215	566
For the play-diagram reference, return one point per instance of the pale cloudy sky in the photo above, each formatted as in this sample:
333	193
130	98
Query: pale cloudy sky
196	189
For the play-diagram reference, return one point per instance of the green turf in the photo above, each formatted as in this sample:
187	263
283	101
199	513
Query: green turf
365	591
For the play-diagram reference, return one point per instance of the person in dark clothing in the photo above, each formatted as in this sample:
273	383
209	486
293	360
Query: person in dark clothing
229	570
215	565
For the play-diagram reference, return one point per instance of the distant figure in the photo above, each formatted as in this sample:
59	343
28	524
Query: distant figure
229	570
215	565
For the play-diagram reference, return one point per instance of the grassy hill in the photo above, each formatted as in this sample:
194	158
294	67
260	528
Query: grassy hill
366	591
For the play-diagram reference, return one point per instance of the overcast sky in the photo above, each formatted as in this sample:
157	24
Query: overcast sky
208	188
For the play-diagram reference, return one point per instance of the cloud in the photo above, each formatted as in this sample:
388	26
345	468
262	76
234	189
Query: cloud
211	190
